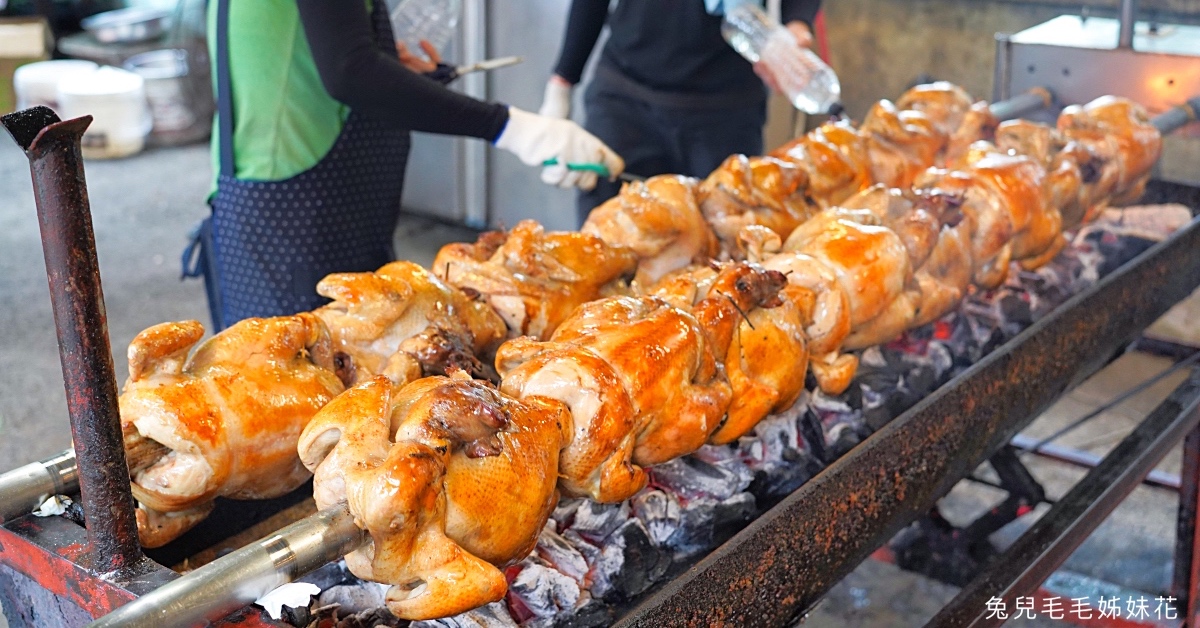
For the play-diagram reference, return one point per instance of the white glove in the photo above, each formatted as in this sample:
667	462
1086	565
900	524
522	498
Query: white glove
537	139
556	102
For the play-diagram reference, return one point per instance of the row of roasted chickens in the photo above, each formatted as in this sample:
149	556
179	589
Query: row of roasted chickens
448	409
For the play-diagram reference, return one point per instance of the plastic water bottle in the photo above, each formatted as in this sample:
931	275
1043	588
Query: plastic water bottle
808	82
431	20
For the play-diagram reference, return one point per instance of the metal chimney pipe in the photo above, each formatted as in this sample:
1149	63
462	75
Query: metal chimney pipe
60	191
1128	17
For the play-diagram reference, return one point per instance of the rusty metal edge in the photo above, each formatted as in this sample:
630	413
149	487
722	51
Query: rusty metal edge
48	550
784	561
1046	545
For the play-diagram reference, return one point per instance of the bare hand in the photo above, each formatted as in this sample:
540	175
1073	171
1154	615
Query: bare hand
414	62
803	37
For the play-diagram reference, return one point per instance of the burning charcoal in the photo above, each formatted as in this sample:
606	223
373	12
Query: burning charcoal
692	478
839	423
727	458
378	617
354	598
564	513
543	591
561	555
732	515
494	615
596	521
601	568
642	564
592	615
659	512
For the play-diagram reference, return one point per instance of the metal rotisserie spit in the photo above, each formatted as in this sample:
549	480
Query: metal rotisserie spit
813	492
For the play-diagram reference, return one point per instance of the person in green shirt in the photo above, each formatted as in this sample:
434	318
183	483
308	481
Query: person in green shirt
314	112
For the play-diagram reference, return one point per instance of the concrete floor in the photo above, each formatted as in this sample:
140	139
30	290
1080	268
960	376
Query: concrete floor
143	208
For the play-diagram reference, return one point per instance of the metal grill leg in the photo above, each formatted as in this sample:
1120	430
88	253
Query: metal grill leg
1186	586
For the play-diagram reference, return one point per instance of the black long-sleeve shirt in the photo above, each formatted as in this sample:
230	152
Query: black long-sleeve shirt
358	74
666	45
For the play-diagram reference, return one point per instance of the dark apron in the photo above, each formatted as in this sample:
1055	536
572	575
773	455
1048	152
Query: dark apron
268	243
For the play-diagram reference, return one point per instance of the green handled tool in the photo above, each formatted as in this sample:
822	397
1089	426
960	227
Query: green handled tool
598	168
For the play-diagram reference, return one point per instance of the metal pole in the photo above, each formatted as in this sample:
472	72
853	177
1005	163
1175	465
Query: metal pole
1045	546
60	191
1186	583
1017	106
1128	18
25	488
235	580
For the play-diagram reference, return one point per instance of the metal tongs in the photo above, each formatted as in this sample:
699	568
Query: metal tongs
446	73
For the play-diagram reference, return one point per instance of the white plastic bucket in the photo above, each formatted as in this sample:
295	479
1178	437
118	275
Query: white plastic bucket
116	99
37	83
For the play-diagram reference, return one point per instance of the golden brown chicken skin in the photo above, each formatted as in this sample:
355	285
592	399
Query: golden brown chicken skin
660	221
452	479
229	416
754	191
534	278
404	322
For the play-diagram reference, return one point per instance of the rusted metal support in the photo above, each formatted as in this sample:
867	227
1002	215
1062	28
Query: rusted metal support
1046	545
1186	584
783	562
55	159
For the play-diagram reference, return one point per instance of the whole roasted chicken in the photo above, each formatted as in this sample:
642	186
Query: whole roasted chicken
426	469
901	143
225	421
533	278
836	160
959	118
403	322
754	191
660	221
768	355
643	378
1118	132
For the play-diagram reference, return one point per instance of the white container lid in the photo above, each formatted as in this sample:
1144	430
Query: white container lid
104	82
37	83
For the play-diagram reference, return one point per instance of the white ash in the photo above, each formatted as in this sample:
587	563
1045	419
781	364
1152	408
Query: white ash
659	512
494	615
545	591
560	554
354	598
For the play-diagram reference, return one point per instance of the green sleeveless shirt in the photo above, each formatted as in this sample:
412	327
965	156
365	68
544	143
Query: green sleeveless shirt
284	120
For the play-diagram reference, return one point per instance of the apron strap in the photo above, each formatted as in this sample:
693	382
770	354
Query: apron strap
224	92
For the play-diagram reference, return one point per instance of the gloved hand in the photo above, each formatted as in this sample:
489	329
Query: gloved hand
535	139
556	102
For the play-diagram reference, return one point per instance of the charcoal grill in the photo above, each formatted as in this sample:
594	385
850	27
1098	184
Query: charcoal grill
54	571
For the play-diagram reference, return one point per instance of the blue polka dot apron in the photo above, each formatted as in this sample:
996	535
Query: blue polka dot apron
268	243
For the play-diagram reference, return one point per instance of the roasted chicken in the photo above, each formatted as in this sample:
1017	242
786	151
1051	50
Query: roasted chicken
957	116
452	480
768	357
1118	132
534	279
403	322
228	417
660	221
753	191
901	144
836	160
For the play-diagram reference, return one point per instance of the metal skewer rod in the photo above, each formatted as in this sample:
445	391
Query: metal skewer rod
235	580
1177	116
25	488
1019	105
